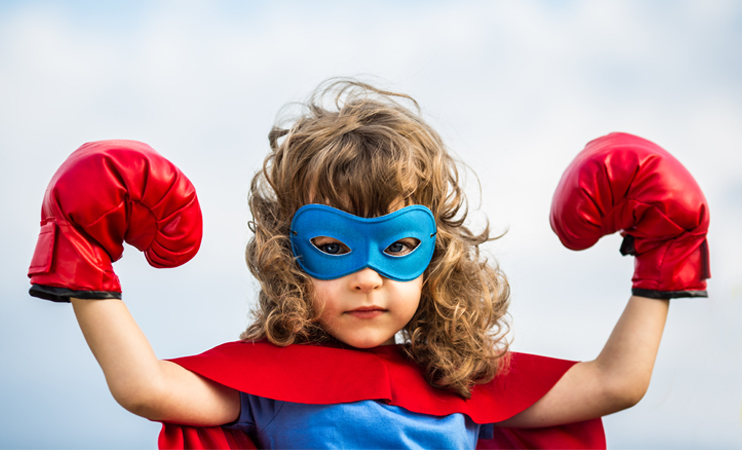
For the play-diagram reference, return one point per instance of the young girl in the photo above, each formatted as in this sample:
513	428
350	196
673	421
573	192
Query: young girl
360	237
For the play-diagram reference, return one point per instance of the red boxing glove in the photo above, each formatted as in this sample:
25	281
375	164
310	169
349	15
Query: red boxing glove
105	193
623	182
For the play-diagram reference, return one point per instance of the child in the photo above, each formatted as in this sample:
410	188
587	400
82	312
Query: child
359	229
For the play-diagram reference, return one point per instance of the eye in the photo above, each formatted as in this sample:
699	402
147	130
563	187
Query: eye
402	247
330	246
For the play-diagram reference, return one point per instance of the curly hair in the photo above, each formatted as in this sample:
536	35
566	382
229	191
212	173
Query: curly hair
357	148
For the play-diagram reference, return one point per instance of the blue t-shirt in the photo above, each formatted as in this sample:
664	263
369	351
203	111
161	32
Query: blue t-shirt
357	425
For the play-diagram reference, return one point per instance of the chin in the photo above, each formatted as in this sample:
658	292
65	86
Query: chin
365	342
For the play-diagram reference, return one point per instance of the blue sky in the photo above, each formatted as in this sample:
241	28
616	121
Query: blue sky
515	88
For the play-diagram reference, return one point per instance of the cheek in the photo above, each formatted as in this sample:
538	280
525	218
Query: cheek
411	294
322	300
320	289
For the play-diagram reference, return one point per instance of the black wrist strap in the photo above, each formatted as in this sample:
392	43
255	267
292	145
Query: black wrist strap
649	293
63	295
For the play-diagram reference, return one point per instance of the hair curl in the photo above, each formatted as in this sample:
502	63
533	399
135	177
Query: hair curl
359	149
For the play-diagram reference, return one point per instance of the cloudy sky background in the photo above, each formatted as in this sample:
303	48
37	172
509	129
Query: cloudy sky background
515	88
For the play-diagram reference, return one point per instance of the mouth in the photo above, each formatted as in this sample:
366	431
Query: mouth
367	312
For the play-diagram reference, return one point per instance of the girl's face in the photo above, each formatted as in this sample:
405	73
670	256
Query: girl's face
364	309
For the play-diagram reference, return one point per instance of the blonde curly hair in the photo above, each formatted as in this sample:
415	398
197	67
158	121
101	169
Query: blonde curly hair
357	148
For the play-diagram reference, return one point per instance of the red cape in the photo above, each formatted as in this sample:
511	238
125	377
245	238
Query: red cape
325	375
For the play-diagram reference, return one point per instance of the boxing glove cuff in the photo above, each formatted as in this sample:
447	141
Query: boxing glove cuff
63	295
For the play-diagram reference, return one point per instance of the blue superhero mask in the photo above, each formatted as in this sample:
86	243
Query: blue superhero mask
369	242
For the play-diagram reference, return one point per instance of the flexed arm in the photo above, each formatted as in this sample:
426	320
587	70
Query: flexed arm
623	182
107	193
142	384
617	379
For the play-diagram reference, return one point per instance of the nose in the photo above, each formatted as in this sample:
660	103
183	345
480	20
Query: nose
366	280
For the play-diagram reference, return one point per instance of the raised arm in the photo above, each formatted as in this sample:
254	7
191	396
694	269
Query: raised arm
106	193
144	385
623	182
617	379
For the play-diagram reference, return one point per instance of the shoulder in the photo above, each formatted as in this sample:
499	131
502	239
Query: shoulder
315	374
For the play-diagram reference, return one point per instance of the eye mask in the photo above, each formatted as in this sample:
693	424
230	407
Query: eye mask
366	238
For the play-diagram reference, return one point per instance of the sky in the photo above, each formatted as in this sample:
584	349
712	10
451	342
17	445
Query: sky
516	89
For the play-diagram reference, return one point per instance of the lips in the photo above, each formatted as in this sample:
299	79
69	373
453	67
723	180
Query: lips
367	312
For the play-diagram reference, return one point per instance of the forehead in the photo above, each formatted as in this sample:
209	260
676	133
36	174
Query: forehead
315	215
366	188
350	204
